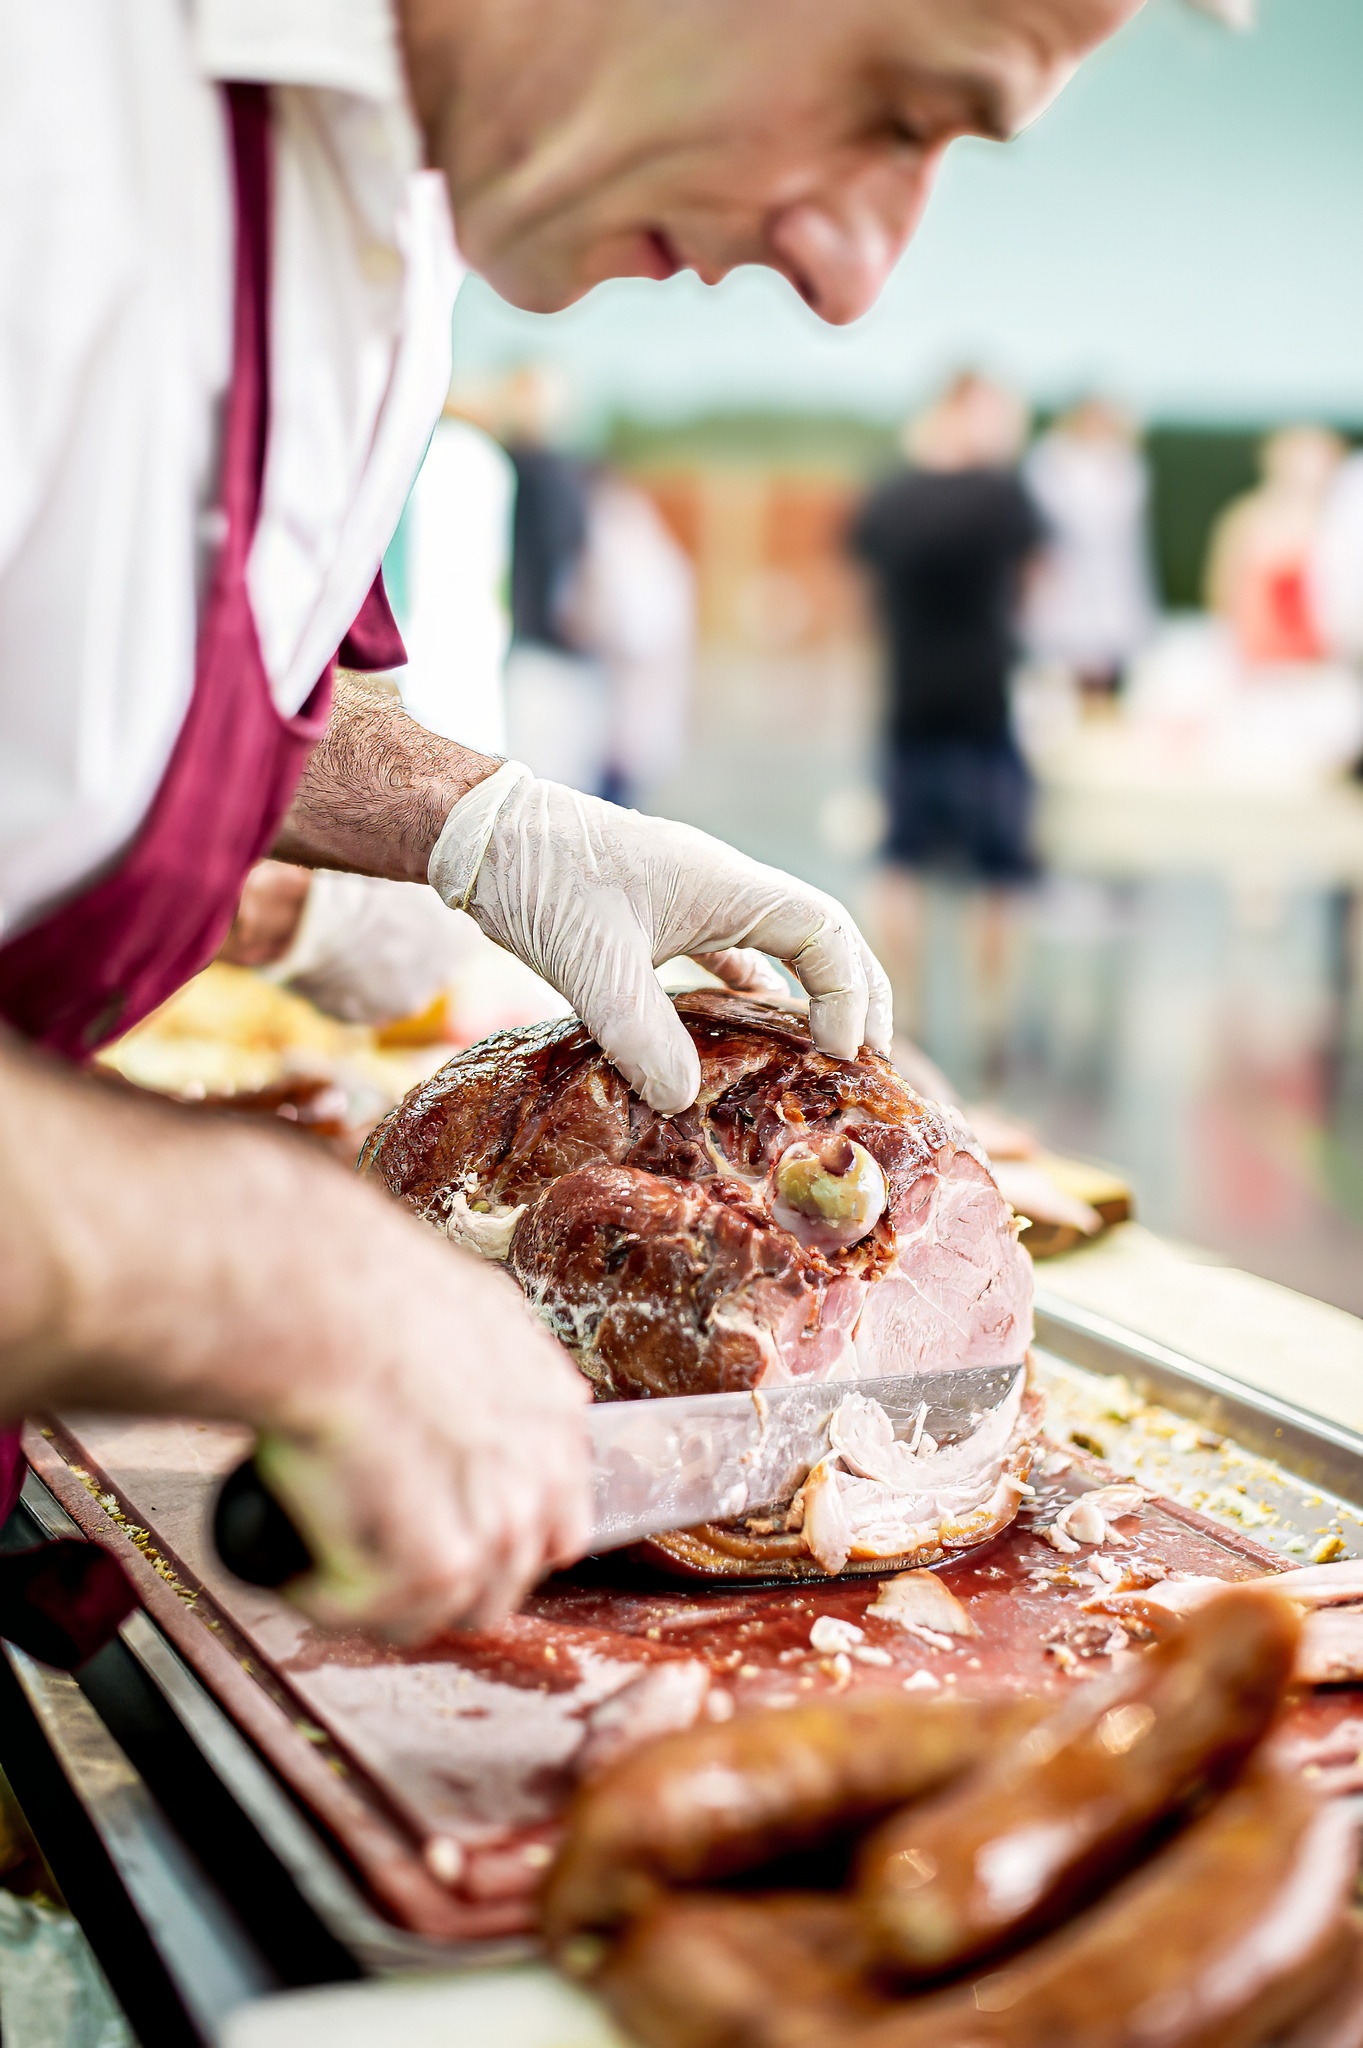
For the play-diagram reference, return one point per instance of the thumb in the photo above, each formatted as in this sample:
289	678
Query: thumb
620	999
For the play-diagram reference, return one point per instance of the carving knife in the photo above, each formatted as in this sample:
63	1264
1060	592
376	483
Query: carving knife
670	1463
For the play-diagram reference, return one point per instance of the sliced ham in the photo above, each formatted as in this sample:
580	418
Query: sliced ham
1331	1650
918	1600
873	1497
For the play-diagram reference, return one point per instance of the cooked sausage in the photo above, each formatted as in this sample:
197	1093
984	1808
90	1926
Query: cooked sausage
1338	2022
1051	1819
728	1796
1232	1932
718	1971
1228	1935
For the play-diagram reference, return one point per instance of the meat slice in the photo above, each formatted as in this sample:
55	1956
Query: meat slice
808	1219
1330	1651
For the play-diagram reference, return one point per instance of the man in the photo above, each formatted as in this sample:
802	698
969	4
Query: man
947	541
225	282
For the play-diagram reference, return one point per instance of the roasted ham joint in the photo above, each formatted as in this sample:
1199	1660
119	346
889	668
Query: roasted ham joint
808	1220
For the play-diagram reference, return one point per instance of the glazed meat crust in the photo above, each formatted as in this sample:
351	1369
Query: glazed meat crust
649	1244
641	1266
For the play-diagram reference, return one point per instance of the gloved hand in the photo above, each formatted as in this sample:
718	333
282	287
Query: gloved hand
594	898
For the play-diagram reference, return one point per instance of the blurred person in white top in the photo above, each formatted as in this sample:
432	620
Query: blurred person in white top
635	607
147	1261
1090	605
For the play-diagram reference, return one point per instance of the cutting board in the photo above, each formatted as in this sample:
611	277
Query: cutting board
441	1773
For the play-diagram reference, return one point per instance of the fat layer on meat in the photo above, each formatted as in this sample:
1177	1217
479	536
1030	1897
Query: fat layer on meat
648	1244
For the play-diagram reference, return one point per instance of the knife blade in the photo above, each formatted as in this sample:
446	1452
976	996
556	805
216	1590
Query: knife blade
666	1464
671	1463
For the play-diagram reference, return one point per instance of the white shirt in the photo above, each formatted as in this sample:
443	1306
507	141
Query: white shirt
1091	602
116	242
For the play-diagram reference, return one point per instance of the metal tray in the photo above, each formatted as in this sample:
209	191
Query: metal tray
1301	1480
1291	1480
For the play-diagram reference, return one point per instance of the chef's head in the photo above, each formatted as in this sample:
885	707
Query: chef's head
587	139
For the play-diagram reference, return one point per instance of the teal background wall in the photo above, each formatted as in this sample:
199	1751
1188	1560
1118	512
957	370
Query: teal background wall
1184	229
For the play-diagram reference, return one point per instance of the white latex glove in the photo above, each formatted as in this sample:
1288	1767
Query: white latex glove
369	951
594	898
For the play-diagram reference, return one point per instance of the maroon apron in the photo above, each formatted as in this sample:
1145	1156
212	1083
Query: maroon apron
106	958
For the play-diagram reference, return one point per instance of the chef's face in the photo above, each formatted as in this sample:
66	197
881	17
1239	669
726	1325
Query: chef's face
587	139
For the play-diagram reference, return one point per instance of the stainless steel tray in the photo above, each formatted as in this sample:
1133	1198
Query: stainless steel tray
1291	1480
1139	1401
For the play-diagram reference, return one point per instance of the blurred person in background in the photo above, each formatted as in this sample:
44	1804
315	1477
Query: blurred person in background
634	606
1090	602
451	560
557	699
947	542
598	674
227	267
1259	560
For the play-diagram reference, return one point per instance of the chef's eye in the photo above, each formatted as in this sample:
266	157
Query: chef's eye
902	132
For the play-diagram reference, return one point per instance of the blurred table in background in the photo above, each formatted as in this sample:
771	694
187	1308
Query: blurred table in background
1116	805
1274	1339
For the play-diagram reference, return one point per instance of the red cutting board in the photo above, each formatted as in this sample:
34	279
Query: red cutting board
440	1773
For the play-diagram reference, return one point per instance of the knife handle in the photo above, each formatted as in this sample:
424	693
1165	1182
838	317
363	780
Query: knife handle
253	1534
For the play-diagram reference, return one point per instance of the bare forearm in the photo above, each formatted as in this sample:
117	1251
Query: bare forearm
376	791
149	1257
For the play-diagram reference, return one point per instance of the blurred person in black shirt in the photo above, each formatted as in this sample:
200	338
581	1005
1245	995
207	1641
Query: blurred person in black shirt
948	542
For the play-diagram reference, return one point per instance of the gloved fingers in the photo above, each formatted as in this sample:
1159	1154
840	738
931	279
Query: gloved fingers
745	970
823	948
616	992
879	1002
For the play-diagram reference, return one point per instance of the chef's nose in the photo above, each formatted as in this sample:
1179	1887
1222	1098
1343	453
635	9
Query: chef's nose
839	247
